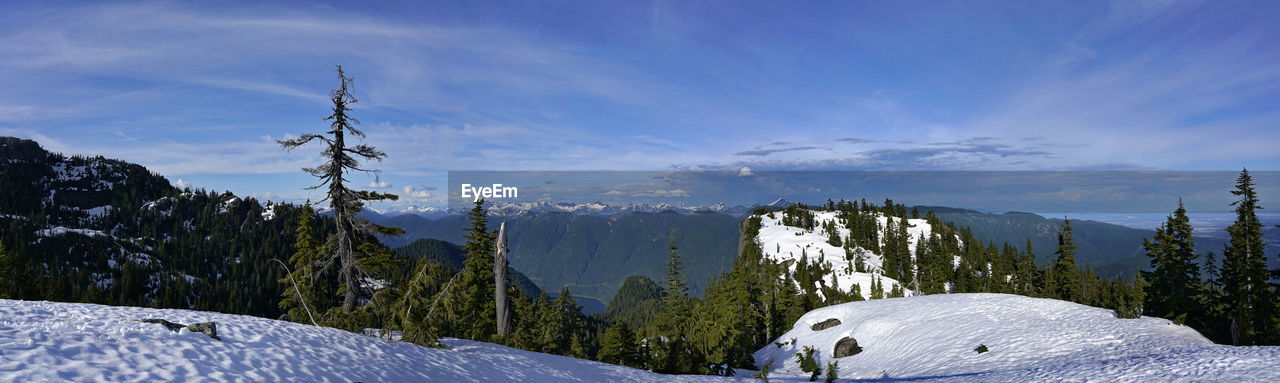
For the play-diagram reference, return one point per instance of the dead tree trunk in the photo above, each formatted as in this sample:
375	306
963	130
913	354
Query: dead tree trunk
503	311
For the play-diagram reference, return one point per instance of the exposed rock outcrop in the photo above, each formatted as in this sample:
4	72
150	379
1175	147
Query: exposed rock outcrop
207	328
846	347
826	324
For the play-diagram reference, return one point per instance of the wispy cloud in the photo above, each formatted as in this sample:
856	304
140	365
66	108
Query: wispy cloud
199	90
766	152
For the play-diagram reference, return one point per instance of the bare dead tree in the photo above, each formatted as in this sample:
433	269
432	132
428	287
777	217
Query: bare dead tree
503	306
344	201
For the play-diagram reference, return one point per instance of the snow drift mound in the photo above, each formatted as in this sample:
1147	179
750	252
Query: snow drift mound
1028	339
44	341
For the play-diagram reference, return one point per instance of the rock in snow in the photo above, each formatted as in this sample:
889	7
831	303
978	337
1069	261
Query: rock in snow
826	324
207	328
846	347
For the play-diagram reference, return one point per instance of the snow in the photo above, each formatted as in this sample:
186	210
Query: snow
99	211
96	171
269	213
46	341
229	204
933	337
63	230
780	243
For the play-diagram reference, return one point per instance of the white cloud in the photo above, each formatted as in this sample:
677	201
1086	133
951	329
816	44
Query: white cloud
265	196
378	184
181	184
418	192
745	172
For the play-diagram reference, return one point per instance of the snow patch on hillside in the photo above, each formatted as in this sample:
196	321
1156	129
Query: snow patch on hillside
56	231
782	243
933	337
46	341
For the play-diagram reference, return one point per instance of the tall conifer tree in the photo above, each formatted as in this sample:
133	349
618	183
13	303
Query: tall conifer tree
473	301
1173	289
1245	280
1066	276
303	292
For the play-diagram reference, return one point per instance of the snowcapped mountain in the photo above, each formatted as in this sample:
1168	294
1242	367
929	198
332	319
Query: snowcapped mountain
46	341
425	211
937	338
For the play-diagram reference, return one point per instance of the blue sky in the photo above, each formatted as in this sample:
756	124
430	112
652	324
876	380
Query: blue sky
199	90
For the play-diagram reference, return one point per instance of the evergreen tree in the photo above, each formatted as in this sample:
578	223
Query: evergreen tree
473	299
1214	314
671	353
1025	277
896	291
11	274
344	201
675	300
808	363
419	315
1245	280
577	349
618	346
560	323
1173	289
303	288
877	288
1066	275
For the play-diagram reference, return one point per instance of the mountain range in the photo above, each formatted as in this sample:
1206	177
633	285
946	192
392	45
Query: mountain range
110	216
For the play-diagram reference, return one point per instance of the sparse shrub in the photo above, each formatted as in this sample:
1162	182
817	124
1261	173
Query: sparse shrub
981	348
764	372
808	363
832	374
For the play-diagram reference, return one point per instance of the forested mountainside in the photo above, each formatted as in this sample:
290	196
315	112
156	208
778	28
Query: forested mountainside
98	230
91	229
594	254
452	256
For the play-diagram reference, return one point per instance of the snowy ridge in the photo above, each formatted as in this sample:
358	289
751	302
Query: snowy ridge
933	338
46	341
787	244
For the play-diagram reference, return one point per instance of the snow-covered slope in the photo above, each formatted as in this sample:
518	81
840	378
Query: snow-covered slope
780	243
933	337
44	341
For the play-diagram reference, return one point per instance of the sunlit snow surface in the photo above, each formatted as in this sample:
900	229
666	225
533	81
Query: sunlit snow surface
928	338
44	341
933	337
